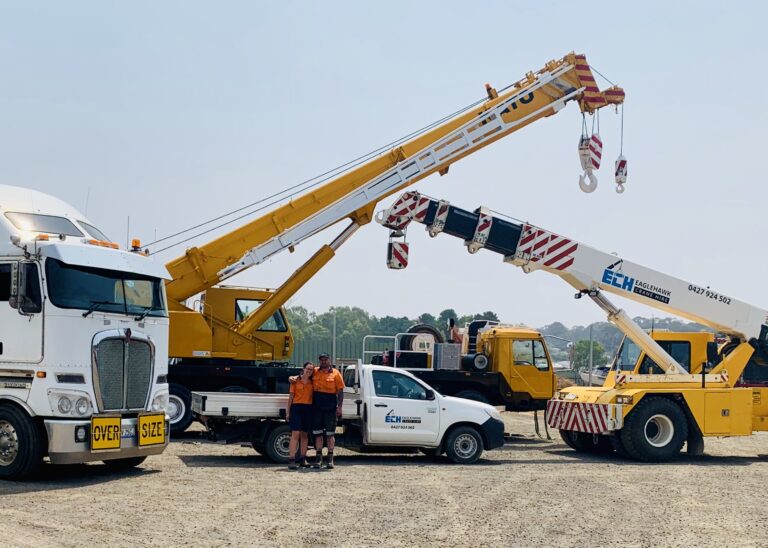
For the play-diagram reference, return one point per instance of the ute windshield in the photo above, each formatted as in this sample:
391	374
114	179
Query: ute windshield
92	289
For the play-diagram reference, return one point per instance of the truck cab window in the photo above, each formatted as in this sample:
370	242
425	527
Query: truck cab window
48	224
680	352
530	352
5	282
396	385
243	307
33	299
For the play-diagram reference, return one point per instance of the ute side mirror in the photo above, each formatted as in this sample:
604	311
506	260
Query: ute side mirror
430	395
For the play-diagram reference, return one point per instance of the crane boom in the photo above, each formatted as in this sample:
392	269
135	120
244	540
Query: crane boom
354	194
590	271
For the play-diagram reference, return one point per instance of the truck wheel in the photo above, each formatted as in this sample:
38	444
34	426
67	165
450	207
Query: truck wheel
464	445
21	444
120	465
179	408
587	443
479	362
276	446
473	395
655	430
407	343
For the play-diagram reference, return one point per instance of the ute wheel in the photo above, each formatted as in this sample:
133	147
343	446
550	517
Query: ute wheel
473	395
655	430
587	443
21	444
179	408
464	445
120	465
276	446
408	343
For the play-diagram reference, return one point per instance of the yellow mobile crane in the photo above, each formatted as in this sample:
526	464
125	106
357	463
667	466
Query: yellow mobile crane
234	327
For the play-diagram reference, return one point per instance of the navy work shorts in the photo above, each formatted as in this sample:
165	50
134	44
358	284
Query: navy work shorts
301	417
324	421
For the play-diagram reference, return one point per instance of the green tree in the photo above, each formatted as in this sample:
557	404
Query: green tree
581	354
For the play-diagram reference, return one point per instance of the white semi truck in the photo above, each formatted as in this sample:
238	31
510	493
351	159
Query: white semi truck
83	341
385	410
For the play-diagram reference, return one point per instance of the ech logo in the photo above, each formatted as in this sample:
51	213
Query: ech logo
617	279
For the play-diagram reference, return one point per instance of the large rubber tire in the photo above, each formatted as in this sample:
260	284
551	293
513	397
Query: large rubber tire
406	343
179	408
276	446
480	363
473	395
655	430
464	445
120	465
587	443
21	444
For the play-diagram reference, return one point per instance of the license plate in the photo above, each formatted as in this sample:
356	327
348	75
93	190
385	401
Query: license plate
151	429
105	433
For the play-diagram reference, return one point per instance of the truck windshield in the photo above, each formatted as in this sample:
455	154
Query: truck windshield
86	288
627	355
49	224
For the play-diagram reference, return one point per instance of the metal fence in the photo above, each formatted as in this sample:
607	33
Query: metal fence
345	348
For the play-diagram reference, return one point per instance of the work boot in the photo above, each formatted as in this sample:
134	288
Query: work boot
292	465
318	461
329	461
303	462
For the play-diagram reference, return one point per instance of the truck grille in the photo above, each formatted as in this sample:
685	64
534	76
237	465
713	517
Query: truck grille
123	373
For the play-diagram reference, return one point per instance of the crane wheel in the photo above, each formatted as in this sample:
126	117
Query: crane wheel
179	408
655	430
587	443
411	343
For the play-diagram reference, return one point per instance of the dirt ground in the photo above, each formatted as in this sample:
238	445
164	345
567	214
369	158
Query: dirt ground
530	492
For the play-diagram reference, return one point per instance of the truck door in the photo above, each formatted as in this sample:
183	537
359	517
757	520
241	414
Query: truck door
531	371
399	412
21	337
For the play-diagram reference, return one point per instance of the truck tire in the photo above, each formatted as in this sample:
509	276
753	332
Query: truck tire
120	465
406	343
473	395
179	408
276	446
587	443
464	445
655	430
478	362
21	444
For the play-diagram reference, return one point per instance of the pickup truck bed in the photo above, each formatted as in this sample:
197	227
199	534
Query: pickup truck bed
252	406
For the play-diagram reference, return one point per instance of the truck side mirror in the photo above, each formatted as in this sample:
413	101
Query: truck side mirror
430	394
28	297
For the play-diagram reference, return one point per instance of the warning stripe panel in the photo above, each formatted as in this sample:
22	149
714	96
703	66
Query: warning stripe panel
591	418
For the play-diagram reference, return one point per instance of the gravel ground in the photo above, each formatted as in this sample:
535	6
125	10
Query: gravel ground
530	492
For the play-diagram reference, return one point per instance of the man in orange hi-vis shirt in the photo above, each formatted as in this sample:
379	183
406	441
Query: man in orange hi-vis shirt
327	399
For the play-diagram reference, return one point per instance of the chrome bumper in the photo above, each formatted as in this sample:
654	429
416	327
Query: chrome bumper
63	449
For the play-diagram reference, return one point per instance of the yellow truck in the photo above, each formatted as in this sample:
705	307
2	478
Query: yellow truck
215	347
664	392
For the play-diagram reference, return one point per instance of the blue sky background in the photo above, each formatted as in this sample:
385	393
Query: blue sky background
174	112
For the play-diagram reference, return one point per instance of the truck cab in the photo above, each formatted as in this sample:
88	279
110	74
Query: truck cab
83	350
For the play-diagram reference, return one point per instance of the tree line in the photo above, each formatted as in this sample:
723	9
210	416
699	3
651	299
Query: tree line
354	323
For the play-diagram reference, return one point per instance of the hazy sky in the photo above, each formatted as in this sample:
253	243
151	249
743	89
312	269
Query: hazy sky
175	112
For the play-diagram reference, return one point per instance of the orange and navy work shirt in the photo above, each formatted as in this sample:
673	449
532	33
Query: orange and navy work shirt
327	381
302	393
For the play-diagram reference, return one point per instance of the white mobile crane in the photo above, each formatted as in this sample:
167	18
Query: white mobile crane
643	415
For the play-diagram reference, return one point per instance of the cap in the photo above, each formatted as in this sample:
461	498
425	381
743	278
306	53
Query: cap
323	355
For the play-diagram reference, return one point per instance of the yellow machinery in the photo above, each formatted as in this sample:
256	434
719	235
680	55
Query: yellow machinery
210	335
664	392
212	332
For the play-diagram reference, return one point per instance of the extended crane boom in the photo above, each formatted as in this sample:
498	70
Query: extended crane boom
354	195
592	272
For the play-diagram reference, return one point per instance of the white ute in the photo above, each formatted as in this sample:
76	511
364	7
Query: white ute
384	410
83	344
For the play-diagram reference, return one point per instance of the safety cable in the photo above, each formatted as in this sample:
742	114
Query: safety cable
304	185
601	75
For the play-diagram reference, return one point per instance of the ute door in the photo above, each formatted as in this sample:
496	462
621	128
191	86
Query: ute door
531	370
21	337
398	410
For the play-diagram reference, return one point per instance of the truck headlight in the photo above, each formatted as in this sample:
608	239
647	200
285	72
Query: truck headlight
70	403
65	405
624	400
493	413
160	401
